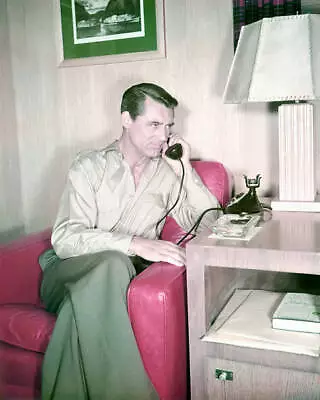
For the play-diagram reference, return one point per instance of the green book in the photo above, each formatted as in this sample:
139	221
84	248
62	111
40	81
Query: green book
298	312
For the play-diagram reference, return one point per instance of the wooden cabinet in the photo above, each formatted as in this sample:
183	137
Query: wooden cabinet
254	381
283	256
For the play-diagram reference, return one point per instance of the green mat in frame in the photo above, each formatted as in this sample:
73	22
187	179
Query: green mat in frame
96	36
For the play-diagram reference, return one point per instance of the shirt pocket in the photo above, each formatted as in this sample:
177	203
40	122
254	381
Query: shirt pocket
108	209
153	206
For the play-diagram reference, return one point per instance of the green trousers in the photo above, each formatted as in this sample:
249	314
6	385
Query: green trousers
92	353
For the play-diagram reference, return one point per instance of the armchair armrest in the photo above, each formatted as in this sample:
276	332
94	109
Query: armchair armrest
157	310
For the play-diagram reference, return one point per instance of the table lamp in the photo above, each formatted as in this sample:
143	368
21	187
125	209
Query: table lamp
278	60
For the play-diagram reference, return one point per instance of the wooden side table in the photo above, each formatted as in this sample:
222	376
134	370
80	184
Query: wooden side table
283	256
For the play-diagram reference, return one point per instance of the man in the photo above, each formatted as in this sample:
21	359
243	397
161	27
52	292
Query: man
105	226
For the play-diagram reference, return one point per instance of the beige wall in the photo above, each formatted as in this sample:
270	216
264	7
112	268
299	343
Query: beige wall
11	220
61	110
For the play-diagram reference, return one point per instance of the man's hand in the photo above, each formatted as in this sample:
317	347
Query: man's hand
174	164
158	250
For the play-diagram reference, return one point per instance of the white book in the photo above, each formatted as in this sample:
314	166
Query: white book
298	312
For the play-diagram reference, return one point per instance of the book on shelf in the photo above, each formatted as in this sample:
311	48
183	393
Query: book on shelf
298	312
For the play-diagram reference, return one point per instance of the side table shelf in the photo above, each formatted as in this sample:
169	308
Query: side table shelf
228	361
246	321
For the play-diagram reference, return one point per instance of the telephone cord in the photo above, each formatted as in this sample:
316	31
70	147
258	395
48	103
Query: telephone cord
197	223
265	208
178	197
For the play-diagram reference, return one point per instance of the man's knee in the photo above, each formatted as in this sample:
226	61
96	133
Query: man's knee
112	261
104	269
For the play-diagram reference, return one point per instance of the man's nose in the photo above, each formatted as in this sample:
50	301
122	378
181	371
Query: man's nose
164	133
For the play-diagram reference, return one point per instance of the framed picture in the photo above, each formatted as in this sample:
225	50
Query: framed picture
108	31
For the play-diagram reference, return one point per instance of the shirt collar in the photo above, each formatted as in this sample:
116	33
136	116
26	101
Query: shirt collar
114	146
119	171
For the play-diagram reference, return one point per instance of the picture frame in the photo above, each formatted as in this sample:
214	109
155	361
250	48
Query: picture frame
89	36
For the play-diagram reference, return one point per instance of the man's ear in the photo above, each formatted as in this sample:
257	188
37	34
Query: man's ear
126	119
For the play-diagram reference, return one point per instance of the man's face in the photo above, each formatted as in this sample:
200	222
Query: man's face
149	131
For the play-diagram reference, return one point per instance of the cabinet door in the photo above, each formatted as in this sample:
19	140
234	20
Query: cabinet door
256	382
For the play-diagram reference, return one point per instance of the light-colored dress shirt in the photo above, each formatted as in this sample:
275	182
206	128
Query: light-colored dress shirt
102	209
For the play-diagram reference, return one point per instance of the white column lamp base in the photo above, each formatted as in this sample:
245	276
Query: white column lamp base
297	183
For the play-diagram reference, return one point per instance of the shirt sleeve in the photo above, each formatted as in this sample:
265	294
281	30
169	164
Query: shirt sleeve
74	232
194	199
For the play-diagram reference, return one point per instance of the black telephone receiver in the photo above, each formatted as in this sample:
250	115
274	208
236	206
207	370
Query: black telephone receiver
174	152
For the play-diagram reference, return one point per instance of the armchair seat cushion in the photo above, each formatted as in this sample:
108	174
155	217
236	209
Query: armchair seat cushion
26	326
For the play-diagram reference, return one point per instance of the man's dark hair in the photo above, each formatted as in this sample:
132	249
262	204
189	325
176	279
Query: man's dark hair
134	97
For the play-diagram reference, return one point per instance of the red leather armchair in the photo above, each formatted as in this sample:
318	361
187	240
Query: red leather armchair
156	305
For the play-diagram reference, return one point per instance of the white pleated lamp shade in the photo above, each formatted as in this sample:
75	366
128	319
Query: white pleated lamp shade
277	59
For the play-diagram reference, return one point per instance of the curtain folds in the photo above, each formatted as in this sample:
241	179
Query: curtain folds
248	11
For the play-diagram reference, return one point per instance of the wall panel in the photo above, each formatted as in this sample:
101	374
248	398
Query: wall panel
11	220
59	111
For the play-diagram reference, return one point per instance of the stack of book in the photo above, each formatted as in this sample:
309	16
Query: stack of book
235	225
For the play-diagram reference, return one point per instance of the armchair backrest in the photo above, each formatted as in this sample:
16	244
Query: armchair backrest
217	179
